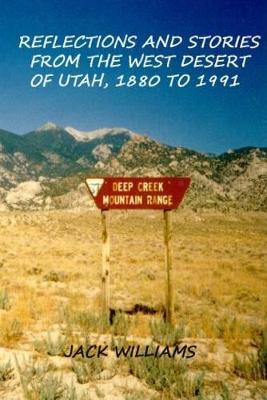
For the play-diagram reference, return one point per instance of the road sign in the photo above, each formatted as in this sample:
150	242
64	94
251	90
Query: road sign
162	193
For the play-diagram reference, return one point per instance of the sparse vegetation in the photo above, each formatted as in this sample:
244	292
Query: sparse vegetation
11	331
120	324
6	371
91	322
55	276
4	300
225	392
39	382
220	298
49	387
253	366
53	346
87	370
170	375
166	334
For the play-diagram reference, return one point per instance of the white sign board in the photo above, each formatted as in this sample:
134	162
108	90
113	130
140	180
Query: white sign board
94	185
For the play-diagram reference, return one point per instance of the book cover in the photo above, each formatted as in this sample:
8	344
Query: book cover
133	167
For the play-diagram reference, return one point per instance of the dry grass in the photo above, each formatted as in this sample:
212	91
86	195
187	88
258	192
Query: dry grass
51	264
218	261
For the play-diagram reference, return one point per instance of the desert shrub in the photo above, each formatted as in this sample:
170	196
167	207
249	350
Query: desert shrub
6	371
11	331
168	375
30	369
231	329
120	324
4	300
50	387
39	382
35	271
87	370
253	366
262	354
54	276
90	322
246	366
225	392
119	341
164	333
51	346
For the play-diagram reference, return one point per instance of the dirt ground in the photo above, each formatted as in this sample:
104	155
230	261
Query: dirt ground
50	270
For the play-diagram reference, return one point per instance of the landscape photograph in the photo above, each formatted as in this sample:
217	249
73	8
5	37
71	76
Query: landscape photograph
51	270
146	302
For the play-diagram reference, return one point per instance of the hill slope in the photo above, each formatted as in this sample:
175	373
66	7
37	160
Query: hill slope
58	159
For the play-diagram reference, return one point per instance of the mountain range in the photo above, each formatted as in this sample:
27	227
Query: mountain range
46	168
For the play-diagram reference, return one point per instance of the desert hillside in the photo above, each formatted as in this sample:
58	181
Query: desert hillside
46	168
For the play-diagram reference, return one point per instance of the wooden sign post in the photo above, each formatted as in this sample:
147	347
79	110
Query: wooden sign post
105	277
163	193
168	266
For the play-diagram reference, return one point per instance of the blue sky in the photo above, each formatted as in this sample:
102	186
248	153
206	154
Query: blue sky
206	119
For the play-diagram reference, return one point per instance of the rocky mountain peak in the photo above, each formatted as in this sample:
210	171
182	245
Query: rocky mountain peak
87	136
47	127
